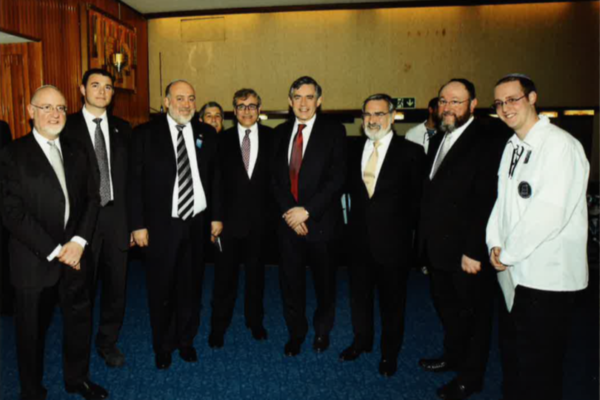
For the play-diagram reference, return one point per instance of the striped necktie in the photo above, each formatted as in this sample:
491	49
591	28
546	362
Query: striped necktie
102	157
185	199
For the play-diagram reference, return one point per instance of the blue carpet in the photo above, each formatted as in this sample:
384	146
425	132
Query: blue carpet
246	369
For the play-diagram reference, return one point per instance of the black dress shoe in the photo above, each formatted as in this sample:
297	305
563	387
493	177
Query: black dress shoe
188	354
259	333
88	390
112	356
321	343
454	390
435	365
352	353
216	340
292	348
162	360
388	366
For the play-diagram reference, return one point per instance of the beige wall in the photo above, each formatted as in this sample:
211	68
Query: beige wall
406	52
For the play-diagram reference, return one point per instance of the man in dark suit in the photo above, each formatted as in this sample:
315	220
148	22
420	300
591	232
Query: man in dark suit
458	196
105	139
50	207
7	291
173	193
309	171
244	157
384	180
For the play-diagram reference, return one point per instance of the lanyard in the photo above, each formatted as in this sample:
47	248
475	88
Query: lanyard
516	156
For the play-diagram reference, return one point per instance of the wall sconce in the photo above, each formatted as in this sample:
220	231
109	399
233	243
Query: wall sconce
579	113
399	116
119	61
550	114
263	117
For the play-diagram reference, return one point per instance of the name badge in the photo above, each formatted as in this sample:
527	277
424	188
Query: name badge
199	143
525	190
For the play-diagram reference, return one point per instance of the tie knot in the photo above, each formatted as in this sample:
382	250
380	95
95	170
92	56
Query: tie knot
97	120
179	127
248	132
376	144
301	127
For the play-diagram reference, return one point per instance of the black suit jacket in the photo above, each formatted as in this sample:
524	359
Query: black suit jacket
322	175
119	132
153	171
246	200
33	208
458	201
386	222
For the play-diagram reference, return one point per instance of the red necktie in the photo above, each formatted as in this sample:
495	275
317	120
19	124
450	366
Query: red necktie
296	160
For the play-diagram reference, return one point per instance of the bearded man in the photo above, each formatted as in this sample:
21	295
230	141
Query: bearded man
174	189
458	197
385	180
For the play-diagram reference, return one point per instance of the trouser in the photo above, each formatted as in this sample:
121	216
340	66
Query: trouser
296	253
464	303
247	249
174	275
533	341
110	263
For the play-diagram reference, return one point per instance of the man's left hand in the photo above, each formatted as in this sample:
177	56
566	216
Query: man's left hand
70	255
295	216
216	227
469	265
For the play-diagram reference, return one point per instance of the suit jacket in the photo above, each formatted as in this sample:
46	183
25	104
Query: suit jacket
246	200
385	223
458	201
153	170
33	208
321	180
119	132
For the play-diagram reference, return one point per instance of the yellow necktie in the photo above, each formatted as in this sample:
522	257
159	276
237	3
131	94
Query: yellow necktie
371	169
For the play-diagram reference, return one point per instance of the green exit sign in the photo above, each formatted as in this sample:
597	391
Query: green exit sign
405	102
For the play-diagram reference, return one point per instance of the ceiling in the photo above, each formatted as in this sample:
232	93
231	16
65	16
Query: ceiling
203	6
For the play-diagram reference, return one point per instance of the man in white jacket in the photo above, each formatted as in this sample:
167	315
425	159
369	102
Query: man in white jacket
537	236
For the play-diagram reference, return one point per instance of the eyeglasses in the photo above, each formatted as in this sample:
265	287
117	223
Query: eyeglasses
509	102
377	115
47	108
453	103
249	107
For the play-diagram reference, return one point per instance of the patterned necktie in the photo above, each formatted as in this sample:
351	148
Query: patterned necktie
57	164
185	202
246	150
102	157
443	151
296	160
371	169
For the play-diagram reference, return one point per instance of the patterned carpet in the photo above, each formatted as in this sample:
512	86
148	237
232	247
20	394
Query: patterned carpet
246	369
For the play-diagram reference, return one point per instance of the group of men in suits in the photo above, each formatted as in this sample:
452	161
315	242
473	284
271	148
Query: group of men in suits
79	191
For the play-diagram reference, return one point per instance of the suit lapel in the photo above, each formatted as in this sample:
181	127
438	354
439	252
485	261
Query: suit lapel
40	163
460	148
237	149
362	188
385	167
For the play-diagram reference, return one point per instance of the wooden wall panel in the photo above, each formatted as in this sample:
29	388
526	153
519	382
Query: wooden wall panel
56	24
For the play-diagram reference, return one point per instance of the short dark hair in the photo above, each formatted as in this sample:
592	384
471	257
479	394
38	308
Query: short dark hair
525	81
466	83
305	80
380	96
168	89
243	94
96	71
433	103
210	104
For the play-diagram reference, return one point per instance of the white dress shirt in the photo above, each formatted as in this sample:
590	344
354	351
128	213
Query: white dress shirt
540	217
418	134
89	120
253	145
43	143
384	145
190	146
452	137
305	135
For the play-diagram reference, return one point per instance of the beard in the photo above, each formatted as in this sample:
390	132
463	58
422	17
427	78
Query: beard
53	130
376	131
180	119
459	120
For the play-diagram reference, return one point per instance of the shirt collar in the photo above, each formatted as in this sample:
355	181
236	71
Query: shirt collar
89	117
242	129
535	136
309	124
173	124
43	142
385	140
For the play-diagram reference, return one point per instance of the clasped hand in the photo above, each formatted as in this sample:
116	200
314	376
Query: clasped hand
296	219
